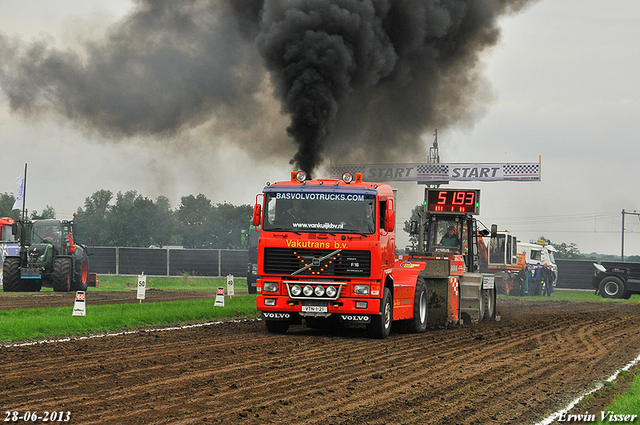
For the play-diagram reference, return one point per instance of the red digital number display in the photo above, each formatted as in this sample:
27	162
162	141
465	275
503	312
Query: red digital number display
453	201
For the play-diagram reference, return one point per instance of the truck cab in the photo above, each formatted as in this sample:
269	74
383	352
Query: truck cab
326	249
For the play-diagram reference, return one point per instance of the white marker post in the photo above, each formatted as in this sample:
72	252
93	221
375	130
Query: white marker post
79	307
142	287
219	298
230	287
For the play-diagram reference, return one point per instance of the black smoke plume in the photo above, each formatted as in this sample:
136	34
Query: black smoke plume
358	78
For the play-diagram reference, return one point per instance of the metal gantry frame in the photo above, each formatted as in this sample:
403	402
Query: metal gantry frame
623	214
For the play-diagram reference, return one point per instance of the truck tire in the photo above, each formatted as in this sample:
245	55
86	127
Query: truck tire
612	287
418	323
61	274
81	275
380	326
11	275
277	326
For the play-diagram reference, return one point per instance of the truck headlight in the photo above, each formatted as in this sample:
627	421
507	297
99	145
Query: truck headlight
296	290
307	290
361	289
319	291
270	287
331	291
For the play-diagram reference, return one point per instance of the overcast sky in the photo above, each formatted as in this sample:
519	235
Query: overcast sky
565	88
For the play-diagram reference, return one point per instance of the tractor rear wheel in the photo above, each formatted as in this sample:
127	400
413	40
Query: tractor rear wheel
61	274
81	276
11	275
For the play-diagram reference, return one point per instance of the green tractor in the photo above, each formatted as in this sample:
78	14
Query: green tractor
47	257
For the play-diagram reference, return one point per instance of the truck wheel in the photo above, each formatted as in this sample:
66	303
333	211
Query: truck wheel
277	326
61	274
612	287
380	326
420	302
81	276
11	275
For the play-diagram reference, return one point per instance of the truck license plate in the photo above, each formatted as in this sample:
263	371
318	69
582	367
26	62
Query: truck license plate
314	309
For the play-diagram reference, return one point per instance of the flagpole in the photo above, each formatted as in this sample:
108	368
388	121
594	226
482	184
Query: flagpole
24	190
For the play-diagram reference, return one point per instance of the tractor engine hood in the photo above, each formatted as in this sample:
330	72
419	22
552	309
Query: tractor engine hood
41	252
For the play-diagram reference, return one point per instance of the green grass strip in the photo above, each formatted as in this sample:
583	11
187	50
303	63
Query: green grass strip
624	407
55	322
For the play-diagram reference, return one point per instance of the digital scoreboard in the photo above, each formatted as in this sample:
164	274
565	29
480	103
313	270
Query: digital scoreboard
453	201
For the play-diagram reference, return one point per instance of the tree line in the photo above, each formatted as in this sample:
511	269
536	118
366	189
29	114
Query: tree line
133	220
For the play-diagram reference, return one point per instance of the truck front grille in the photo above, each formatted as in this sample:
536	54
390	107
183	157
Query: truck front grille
312	262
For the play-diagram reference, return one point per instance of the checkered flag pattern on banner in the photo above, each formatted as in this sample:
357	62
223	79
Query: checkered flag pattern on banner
433	169
521	169
338	171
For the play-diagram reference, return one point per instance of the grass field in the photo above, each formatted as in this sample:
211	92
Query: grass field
56	322
210	284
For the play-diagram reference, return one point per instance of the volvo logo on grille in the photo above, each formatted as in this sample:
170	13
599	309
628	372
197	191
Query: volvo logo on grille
355	318
275	316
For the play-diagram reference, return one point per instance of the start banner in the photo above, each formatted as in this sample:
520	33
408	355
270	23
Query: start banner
441	173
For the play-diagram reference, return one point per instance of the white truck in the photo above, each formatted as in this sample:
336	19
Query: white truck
539	252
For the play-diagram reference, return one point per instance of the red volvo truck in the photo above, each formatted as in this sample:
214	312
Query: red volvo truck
326	255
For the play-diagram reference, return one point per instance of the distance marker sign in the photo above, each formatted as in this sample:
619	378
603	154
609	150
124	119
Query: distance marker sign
142	287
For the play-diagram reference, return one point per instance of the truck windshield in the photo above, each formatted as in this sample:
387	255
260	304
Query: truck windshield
320	212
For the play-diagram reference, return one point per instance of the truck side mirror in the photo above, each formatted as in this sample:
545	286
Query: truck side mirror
14	228
257	212
389	220
494	230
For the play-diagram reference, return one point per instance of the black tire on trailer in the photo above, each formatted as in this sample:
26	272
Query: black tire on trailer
277	326
11	281
81	275
612	287
380	326
61	274
489	302
481	305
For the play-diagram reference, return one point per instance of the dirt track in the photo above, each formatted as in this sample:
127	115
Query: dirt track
515	371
